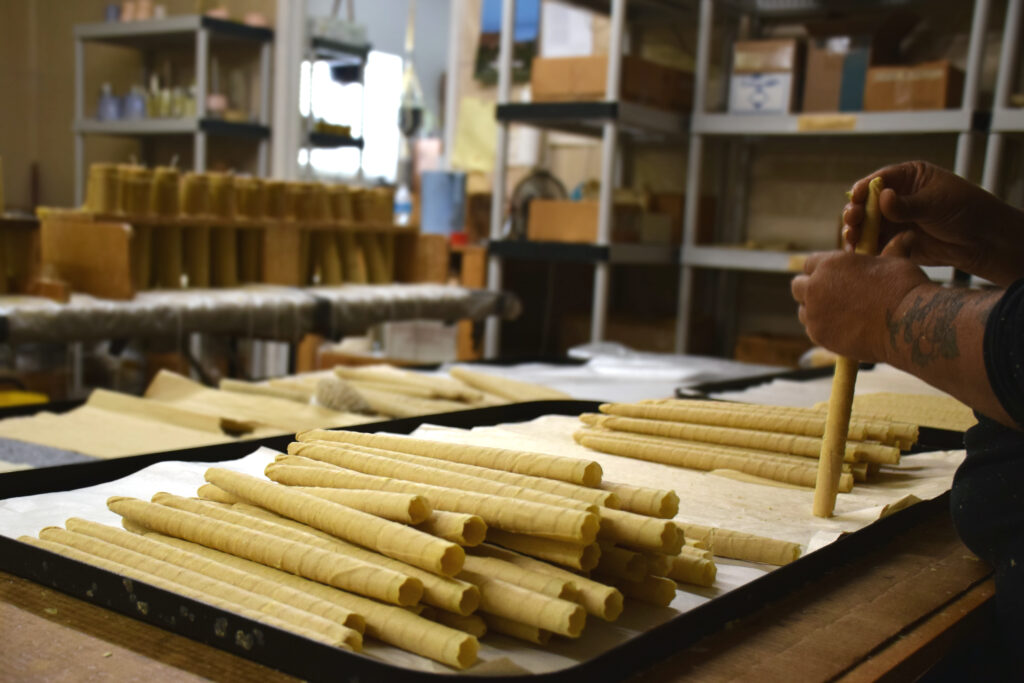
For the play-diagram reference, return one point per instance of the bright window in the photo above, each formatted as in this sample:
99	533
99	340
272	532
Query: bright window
343	105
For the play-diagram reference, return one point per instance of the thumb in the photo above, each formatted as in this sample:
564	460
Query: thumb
900	246
908	208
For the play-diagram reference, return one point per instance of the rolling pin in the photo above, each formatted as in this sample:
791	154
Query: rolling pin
840	402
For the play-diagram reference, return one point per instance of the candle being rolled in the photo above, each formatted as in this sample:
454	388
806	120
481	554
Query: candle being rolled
388	538
745	438
742	546
190	592
528	607
790	469
840	403
598	599
445	592
457	527
330	567
576	556
599	497
583	472
644	501
409	471
519	516
206	567
393	625
509	389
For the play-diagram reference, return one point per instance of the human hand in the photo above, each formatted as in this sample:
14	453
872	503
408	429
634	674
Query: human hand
846	300
936	218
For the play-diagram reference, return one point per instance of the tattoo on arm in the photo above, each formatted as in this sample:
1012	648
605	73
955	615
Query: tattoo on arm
927	327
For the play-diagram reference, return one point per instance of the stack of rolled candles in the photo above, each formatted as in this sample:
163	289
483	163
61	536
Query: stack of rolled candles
423	545
766	444
332	249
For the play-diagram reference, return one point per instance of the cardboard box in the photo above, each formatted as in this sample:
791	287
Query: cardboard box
839	52
835	74
575	79
766	56
761	93
765	76
562	220
931	85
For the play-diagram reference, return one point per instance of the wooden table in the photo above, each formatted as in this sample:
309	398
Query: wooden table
890	614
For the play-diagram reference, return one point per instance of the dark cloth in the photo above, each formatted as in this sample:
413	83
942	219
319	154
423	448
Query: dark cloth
987	500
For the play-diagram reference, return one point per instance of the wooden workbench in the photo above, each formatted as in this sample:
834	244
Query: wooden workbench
892	612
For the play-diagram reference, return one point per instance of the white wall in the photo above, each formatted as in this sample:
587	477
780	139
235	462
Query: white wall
385	24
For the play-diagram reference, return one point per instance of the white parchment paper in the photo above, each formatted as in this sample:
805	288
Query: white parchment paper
706	499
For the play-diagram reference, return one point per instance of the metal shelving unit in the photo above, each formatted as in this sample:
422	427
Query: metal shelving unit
338	54
608	119
961	122
156	34
638	121
1005	119
615	254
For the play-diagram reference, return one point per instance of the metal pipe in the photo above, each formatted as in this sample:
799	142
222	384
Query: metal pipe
492	326
451	83
693	171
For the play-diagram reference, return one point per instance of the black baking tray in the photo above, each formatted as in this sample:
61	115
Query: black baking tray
310	660
929	438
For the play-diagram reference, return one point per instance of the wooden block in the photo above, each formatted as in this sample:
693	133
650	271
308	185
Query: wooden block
94	258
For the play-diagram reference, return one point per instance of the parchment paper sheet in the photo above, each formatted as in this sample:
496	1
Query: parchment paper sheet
706	499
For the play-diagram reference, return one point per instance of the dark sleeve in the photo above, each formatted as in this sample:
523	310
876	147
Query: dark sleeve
1004	351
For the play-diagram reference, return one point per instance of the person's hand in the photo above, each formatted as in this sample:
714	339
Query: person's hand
846	300
937	218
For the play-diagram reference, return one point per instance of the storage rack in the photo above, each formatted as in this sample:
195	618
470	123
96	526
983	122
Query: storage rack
608	119
337	53
1006	120
146	35
960	122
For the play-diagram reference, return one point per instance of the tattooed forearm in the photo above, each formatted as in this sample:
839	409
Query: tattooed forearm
927	327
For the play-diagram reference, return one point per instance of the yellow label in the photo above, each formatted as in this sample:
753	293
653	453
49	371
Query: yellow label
818	122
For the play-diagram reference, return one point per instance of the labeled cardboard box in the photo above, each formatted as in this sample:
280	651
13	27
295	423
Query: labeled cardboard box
582	79
931	85
765	76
